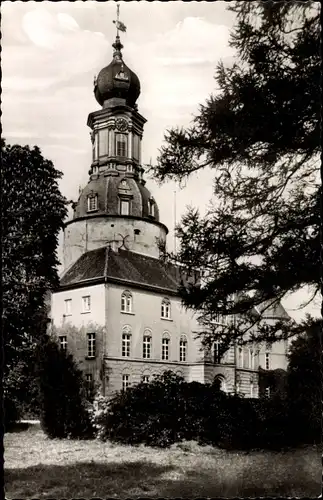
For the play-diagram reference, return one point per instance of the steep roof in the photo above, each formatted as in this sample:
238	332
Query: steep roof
274	311
140	270
122	265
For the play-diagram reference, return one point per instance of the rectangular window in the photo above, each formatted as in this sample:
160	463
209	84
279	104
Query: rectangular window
145	379
125	382
63	342
217	356
267	361
103	142
86	304
267	392
68	307
146	347
91	345
126	337
165	349
245	357
135	146
92	203
182	350
121	145
124	207
251	359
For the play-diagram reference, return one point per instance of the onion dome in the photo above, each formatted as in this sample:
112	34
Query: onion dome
117	80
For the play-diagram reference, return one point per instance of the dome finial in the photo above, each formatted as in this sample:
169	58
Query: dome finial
117	45
117	80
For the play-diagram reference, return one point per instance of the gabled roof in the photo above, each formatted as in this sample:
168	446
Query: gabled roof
274	311
122	265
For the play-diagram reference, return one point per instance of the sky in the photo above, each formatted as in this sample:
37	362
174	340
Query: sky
51	52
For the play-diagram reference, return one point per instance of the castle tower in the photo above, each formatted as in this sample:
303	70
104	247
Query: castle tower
115	208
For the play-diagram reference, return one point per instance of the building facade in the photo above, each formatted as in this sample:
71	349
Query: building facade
117	308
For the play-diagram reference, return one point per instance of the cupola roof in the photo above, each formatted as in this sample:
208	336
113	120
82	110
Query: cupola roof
117	80
108	191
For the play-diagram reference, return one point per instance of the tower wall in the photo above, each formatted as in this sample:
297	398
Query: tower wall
81	236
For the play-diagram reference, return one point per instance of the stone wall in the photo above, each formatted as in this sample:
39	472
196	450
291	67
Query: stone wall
81	236
136	369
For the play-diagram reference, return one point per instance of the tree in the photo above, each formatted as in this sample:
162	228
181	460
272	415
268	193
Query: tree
33	211
63	401
260	136
304	378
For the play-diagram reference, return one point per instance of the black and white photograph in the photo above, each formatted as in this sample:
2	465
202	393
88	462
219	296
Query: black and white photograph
161	251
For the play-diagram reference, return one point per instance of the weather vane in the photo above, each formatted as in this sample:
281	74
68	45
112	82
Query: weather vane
119	24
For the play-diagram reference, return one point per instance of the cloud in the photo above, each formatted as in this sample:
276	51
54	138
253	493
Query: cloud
58	51
41	28
193	40
177	70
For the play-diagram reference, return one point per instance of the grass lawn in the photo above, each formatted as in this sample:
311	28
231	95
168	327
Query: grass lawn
37	467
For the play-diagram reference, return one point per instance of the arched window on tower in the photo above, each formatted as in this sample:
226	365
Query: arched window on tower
125	196
124	207
121	145
92	202
151	207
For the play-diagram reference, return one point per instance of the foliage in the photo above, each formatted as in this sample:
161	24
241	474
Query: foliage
260	137
145	413
22	393
33	211
64	407
275	380
305	381
169	410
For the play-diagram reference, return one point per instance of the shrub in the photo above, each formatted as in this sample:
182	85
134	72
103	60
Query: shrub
165	411
98	412
169	410
20	389
64	407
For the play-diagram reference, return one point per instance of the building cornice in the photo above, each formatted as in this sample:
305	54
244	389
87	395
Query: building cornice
118	281
113	111
117	216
